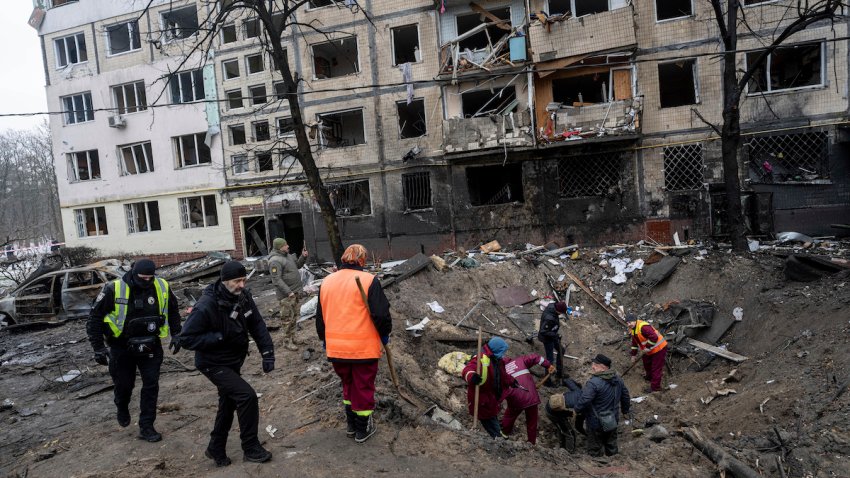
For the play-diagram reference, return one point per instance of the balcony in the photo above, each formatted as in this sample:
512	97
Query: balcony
604	31
619	118
464	135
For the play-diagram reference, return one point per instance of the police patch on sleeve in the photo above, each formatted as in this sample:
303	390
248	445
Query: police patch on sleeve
99	297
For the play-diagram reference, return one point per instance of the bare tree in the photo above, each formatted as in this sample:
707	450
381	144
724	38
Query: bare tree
731	17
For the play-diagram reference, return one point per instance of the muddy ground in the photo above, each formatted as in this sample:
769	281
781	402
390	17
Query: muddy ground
788	407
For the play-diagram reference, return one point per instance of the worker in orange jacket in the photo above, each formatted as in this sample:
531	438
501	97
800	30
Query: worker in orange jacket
352	331
653	345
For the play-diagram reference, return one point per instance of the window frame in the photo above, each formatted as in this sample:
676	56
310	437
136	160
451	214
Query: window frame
132	27
64	40
254	97
238	126
185	213
243	160
248	64
73	161
180	153
133	220
696	84
82	231
290	134
768	63
418	42
177	76
147	150
72	112
398	118
340	112
235	33
672	19
340	40
229	99
230	61
137	87
255	135
166	38
414	176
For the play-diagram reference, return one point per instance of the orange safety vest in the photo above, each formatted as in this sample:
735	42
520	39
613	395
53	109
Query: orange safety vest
349	330
644	342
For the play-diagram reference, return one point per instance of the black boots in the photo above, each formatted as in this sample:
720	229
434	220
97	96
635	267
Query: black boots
364	428
123	417
350	418
220	458
257	454
148	433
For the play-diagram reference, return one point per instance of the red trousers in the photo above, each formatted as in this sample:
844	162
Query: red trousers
358	384
511	414
654	367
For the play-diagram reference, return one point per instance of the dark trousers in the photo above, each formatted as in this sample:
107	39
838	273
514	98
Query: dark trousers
358	384
599	442
122	368
531	415
234	395
653	365
550	346
491	426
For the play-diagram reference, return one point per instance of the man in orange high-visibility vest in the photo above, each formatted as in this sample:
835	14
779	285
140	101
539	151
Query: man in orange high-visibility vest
654	347
352	331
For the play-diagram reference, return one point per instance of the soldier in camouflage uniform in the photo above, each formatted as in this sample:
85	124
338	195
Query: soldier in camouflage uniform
283	267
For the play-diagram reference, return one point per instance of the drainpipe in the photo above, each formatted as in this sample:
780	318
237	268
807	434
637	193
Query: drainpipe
530	78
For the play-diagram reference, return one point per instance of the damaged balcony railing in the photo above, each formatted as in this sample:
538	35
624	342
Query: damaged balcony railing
572	123
507	51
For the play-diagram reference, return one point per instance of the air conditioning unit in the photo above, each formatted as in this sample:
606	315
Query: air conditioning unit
117	121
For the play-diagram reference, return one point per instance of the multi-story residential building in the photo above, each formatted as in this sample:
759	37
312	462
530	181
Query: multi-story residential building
523	120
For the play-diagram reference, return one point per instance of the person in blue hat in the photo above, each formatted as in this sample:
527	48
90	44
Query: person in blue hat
493	381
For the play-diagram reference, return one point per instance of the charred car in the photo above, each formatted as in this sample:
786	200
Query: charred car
65	293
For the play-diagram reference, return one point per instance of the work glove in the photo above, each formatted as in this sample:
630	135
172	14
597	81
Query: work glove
268	361
385	339
102	356
551	369
475	379
174	346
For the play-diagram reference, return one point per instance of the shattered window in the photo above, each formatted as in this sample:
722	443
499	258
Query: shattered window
590	175
485	36
258	94
582	89
83	166
198	211
191	150
187	86
228	33
411	119
788	67
142	217
123	37
254	64
588	7
485	102
234	99
252	28
559	7
78	108
237	135
683	167
285	127
130	98
91	221
788	157
351	198
335	58
241	164
417	190
406	44
180	23
261	130
677	85
265	161
230	68
71	50
341	129
669	9
489	185
136	158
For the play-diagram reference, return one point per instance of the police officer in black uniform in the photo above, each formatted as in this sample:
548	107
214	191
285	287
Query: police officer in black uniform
134	314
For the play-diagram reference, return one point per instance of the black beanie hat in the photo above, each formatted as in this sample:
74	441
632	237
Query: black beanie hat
602	360
144	267
233	270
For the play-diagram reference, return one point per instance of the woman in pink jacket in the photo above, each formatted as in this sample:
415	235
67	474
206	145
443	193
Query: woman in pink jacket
523	395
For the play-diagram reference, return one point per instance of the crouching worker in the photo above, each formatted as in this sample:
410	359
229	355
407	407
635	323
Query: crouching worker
493	381
599	402
522	396
560	409
218	329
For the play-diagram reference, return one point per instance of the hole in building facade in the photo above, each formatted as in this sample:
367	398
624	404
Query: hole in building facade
351	198
677	85
411	118
406	44
490	185
486	37
341	129
335	58
485	102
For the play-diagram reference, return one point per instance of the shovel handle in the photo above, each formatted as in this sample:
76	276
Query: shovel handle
543	380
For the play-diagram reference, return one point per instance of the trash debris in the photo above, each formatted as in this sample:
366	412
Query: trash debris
738	313
271	430
783	237
70	375
7	404
406	269
753	245
656	433
492	246
436	307
308	309
639	399
417	329
445	418
454	362
512	296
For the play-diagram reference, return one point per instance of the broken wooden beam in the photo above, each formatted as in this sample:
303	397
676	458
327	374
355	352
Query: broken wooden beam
493	333
717	351
561	250
718	455
595	298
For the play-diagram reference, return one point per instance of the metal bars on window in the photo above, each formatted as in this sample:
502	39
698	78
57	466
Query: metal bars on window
683	167
417	190
589	175
788	157
351	198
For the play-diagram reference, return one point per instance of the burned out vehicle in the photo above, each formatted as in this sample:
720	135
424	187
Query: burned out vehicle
65	293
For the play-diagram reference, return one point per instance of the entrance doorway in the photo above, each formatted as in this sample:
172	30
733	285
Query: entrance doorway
290	227
254	235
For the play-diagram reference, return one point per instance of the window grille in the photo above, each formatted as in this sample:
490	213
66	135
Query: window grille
417	190
788	157
683	167
351	199
590	175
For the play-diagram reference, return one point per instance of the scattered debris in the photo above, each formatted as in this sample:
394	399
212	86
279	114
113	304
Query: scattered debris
453	362
70	375
512	296
271	430
417	329
436	307
717	351
718	455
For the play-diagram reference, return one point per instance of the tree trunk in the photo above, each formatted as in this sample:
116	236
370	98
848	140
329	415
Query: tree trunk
730	142
718	455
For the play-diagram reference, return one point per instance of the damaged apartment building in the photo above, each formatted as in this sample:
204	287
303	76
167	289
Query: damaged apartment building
442	124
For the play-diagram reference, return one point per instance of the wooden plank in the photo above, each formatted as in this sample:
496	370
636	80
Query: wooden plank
407	269
622	84
717	351
493	18
595	298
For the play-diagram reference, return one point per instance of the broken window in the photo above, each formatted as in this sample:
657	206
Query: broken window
285	127
582	89
559	7
589	7
59	3
254	63
325	3
187	86
669	9
261	130
130	98
71	50
241	164
237	134
341	129
91	221
252	28
191	150
417	190
198	211
136	158
234	99
228	33
487	36
335	58
123	37
484	102
279	90
180	23
411	118
142	217
490	185
677	83
83	166
265	161
406	44
230	68
788	67
351	198
788	157
683	167
590	175
78	108
258	94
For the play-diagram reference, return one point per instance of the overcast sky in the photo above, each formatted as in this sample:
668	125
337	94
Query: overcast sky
22	83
